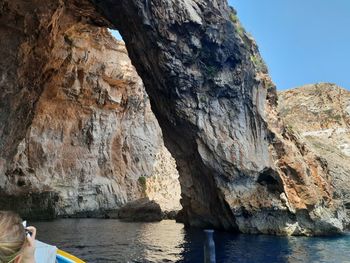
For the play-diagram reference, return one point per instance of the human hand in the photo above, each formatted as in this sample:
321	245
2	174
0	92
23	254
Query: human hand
27	255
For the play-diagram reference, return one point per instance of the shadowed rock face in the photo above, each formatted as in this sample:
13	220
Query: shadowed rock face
204	91
240	168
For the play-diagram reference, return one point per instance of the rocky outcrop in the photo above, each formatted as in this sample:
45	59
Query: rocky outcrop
141	210
320	115
93	139
240	168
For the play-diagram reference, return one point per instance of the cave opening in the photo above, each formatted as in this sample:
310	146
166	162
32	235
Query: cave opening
270	179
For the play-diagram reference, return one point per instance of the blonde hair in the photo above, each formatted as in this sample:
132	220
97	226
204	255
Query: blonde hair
12	236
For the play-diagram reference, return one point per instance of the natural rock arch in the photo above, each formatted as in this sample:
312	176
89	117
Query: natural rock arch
199	75
210	92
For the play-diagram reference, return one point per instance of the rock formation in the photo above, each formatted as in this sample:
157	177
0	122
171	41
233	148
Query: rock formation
320	115
240	168
142	210
93	142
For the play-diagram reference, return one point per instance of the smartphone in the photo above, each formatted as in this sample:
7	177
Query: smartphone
28	233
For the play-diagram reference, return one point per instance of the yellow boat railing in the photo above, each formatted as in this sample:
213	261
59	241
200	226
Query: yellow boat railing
68	257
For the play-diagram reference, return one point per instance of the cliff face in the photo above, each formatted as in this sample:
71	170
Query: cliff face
320	115
240	168
93	142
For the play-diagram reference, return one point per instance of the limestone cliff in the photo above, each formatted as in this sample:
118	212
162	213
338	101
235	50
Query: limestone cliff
93	142
240	168
320	115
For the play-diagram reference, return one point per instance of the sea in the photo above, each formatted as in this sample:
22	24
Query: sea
108	240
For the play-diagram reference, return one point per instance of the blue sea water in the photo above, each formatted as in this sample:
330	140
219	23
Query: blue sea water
99	240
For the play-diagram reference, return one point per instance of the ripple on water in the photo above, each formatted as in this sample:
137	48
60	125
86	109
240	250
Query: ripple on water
99	240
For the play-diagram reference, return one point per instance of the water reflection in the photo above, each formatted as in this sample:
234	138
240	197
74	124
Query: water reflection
162	241
98	240
325	249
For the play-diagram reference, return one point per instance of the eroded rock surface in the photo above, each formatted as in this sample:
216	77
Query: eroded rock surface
93	136
240	168
320	114
141	210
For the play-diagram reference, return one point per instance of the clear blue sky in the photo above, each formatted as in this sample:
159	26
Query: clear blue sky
116	34
302	41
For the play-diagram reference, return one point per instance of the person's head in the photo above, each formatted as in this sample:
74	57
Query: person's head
12	236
